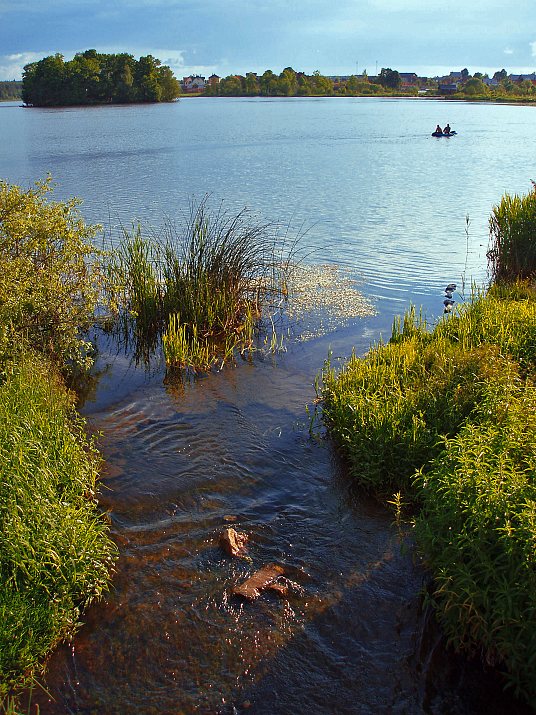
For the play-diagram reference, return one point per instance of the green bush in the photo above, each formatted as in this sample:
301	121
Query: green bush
50	275
477	529
55	553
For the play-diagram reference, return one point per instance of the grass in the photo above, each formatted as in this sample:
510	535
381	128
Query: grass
512	251
55	551
55	554
445	419
201	289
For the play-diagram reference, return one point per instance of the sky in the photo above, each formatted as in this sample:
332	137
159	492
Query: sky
237	36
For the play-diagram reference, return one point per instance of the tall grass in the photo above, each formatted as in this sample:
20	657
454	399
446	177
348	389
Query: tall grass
512	251
55	553
216	273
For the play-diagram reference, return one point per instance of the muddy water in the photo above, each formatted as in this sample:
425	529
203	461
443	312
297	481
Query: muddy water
183	462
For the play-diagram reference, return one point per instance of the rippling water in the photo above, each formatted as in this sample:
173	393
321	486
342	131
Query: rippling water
378	196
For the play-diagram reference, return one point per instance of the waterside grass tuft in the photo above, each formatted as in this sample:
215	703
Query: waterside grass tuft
200	288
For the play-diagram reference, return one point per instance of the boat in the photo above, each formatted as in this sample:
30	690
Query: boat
443	134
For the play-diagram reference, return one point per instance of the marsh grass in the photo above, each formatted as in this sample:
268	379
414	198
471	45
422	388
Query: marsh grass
201	289
446	418
512	250
55	553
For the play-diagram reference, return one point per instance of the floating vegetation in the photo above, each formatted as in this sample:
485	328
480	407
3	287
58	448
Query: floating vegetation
322	298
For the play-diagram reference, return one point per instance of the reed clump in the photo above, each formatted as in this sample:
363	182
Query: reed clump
201	288
512	250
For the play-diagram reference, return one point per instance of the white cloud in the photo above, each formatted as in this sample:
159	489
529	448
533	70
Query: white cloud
11	65
508	51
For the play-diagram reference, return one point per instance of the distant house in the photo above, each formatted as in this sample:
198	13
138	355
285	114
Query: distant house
456	76
518	78
409	79
447	87
213	80
490	82
194	83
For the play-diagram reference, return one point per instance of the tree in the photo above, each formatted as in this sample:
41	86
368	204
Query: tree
475	86
465	74
389	78
288	83
252	84
500	75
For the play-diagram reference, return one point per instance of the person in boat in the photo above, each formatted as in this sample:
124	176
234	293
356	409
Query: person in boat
438	130
447	129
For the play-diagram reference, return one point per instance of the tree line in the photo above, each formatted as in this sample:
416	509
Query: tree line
96	78
10	90
290	83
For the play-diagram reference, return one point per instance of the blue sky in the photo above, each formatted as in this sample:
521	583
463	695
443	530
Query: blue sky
236	36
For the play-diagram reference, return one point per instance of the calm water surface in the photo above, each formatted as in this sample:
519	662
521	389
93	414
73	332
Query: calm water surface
378	196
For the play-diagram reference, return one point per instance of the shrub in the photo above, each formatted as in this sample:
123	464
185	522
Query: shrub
477	529
50	277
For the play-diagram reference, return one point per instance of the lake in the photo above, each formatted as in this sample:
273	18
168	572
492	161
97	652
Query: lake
375	194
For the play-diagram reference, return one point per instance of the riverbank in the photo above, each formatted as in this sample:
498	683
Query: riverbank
55	551
442	423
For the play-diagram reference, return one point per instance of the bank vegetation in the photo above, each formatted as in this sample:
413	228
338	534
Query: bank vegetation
444	419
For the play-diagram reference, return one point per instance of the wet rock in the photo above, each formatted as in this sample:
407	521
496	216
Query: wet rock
450	288
281	589
233	542
230	517
261	579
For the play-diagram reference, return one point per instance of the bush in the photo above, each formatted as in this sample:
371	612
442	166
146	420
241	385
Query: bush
50	276
477	529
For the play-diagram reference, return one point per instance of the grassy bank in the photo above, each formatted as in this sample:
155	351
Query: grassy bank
55	552
445	419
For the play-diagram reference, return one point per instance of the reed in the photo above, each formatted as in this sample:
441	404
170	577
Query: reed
216	273
512	251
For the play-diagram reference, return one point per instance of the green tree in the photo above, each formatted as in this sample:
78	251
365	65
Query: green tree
475	87
500	75
389	78
252	84
288	82
320	85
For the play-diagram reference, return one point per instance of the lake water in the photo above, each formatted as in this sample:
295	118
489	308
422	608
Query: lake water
375	194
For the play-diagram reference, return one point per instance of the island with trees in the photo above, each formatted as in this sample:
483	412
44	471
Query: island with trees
97	78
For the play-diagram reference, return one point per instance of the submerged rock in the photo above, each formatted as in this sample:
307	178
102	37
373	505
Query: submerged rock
233	542
261	579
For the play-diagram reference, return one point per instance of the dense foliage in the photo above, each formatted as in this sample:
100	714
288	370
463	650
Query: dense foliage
50	276
10	90
447	417
55	554
290	83
512	252
96	78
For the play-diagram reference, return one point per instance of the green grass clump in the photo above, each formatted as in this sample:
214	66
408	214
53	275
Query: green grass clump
512	251
55	553
477	529
216	274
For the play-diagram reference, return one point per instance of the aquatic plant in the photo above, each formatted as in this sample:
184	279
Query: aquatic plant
217	273
512	251
446	418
